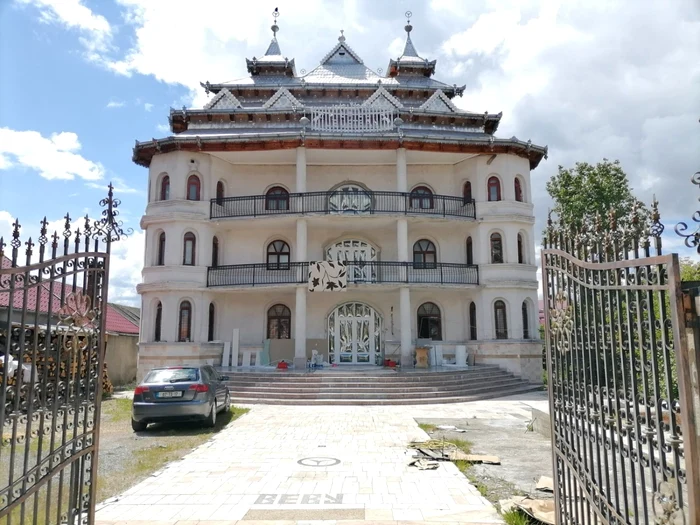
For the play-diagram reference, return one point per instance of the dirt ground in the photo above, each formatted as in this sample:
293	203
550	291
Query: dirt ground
524	455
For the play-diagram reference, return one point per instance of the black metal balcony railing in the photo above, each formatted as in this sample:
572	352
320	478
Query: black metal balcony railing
374	272
343	203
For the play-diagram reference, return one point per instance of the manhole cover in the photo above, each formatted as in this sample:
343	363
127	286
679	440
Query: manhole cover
318	462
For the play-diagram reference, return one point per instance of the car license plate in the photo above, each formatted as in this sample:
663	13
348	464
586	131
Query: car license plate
176	393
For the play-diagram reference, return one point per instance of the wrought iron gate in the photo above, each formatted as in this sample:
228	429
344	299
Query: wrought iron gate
53	296
622	440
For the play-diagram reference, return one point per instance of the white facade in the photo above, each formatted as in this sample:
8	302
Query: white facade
393	289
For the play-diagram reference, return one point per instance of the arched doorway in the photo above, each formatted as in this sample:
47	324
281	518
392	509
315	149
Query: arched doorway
358	256
355	335
350	199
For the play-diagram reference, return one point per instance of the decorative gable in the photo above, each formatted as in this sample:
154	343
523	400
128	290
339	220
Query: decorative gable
282	99
439	102
383	99
224	99
341	54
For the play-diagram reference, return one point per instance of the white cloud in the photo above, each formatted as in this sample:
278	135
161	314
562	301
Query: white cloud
116	104
147	106
163	128
55	157
120	186
96	32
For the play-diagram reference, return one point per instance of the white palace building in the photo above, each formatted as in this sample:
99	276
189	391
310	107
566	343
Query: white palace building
430	214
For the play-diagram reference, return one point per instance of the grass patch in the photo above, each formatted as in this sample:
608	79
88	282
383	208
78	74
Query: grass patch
427	427
515	517
116	410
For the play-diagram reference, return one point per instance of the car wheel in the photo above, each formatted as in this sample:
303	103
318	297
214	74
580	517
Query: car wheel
211	418
227	402
138	426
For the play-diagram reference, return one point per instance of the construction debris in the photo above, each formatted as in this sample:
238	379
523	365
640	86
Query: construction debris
545	484
540	509
451	428
474	458
424	464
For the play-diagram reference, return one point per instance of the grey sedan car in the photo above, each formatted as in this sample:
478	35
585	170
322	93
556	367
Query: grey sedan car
180	393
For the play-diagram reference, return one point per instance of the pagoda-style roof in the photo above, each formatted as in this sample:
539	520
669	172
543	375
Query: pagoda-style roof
341	103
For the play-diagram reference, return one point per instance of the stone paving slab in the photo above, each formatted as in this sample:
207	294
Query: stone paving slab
323	465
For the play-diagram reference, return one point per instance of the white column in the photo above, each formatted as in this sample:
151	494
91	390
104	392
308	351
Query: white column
405	314
301	251
401	179
301	170
300	329
402	239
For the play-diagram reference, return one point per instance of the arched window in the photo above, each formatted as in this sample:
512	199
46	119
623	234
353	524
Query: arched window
424	255
278	256
193	188
189	249
165	188
521	249
470	251
160	259
422	198
494	188
279	322
215	252
526	321
185	322
467	192
518	190
277	198
219	193
496	248
472	321
499	312
159	322
429	322
212	318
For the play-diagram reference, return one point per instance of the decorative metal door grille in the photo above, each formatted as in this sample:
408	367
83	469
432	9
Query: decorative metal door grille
623	451
52	323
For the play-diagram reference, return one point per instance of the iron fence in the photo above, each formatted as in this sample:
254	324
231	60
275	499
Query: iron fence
358	272
343	203
52	325
624	450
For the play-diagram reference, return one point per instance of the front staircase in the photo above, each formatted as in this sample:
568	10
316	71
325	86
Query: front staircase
373	387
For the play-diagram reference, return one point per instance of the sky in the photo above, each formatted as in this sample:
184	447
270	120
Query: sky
81	80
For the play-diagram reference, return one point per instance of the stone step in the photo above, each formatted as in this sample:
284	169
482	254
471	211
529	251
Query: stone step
365	388
376	394
437	381
488	393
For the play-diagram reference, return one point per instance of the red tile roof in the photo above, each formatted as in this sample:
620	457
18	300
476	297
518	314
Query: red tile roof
120	319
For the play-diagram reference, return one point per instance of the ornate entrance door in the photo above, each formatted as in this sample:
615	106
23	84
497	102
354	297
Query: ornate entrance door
359	256
354	334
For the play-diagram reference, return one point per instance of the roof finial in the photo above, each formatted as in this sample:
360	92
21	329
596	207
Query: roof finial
341	38
275	27
408	27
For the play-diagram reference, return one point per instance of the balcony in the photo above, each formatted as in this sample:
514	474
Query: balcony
371	272
343	203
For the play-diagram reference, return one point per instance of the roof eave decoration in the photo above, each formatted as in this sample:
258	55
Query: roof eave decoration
383	99
224	99
284	67
282	99
426	68
341	45
439	102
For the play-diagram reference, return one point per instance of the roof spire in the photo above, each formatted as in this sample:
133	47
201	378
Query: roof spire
410	62
274	47
341	38
409	49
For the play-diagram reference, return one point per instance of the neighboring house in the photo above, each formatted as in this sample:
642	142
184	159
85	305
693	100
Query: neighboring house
430	212
122	324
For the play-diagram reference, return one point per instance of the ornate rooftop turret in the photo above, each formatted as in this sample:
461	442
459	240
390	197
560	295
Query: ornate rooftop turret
272	63
410	62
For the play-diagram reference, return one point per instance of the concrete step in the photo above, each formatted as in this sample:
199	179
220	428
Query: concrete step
488	393
393	389
376	394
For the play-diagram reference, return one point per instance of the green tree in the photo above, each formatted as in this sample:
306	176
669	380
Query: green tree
690	270
586	191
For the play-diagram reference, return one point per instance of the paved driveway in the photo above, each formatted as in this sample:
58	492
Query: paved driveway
296	464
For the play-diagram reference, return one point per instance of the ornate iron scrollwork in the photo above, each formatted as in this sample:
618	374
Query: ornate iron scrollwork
692	239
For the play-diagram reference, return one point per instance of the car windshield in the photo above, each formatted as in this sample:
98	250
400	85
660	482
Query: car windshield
172	375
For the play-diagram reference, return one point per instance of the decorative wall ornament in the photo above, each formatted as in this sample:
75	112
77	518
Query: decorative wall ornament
328	276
